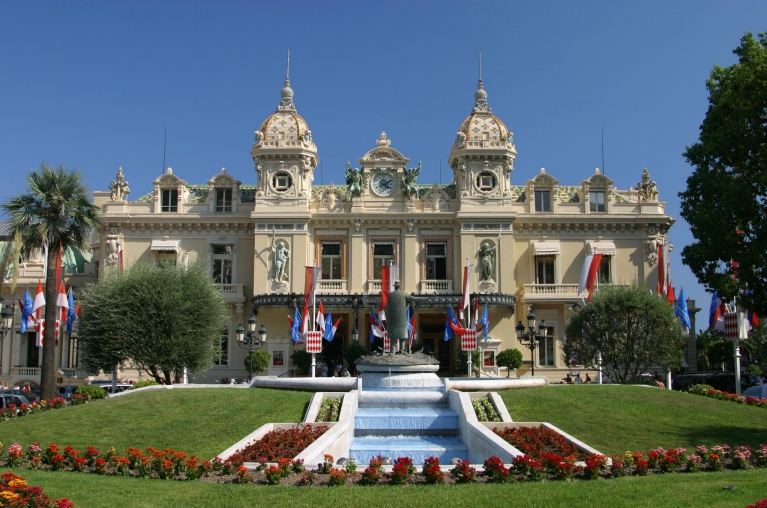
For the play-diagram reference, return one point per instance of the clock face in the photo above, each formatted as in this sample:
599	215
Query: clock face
383	184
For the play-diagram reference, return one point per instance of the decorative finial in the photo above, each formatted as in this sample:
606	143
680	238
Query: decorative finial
480	67
286	102
543	171
223	171
169	171
287	72
383	141
480	96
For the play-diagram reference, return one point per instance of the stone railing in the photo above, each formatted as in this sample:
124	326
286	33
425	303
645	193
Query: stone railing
231	289
25	371
331	286
551	291
436	286
374	286
69	372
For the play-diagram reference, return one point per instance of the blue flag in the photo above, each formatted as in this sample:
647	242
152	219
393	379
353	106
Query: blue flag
71	316
713	311
294	330
26	311
484	320
329	332
681	310
448	329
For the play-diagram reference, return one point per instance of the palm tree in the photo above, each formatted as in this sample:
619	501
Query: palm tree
55	210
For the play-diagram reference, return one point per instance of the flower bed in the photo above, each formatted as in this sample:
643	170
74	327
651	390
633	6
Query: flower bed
734	397
282	443
537	442
330	409
13	411
485	410
14	491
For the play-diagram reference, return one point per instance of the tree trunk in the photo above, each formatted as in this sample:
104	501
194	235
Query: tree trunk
168	377
48	370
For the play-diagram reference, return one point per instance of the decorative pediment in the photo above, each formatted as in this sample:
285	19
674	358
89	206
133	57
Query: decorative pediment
384	152
598	181
543	180
169	180
223	180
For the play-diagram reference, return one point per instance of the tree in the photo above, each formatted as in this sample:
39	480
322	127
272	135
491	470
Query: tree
162	317
462	360
257	361
631	328
54	211
509	358
726	198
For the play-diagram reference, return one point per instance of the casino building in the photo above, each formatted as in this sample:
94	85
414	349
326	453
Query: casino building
526	241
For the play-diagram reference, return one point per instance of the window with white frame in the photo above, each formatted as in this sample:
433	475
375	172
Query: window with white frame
383	254
331	260
542	200
222	355
436	260
546	348
169	200
166	256
223	200
222	263
604	270
597	201
544	269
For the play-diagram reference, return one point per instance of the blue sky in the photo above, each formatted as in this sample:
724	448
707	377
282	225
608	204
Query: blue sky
94	84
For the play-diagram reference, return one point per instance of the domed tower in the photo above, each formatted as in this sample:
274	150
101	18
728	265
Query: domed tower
482	156
285	155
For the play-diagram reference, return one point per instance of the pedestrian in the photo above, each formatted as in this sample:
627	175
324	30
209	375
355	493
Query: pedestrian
588	378
578	379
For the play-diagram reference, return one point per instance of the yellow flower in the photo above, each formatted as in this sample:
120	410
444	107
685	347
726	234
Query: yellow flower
17	482
10	496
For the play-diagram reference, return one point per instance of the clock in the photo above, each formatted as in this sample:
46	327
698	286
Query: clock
383	184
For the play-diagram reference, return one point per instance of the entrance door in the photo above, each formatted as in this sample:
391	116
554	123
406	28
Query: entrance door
334	350
33	352
431	333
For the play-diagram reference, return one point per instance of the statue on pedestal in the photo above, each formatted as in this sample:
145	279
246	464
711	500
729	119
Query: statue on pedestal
396	314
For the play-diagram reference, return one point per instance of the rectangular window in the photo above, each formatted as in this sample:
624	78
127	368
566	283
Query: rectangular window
604	270
222	264
597	201
169	200
383	254
222	357
223	200
166	256
544	270
436	261
546	349
331	256
542	201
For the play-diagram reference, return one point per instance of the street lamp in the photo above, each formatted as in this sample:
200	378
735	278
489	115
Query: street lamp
250	340
529	338
6	319
356	304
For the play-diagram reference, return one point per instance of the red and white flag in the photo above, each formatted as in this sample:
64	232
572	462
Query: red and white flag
310	282
320	319
39	297
389	275
465	296
593	272
585	273
661	287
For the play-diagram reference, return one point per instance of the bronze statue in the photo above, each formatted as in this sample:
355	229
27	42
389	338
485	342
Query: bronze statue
353	182
396	313
409	187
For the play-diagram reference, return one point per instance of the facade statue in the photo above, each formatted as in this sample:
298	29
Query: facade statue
486	261
648	189
113	250
281	256
258	135
119	187
396	313
459	139
409	187
353	181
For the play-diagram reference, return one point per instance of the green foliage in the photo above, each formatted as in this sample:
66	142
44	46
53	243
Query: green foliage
161	317
726	197
96	392
462	359
509	358
303	360
260	361
485	410
700	389
352	352
631	328
55	210
330	409
143	383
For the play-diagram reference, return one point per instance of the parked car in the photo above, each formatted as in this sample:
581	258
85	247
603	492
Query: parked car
117	389
6	399
31	396
754	391
66	392
724	381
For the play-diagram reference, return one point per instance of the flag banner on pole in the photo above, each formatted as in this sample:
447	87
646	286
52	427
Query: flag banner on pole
39	297
327	326
475	318
469	339
305	318
585	273
448	331
682	312
310	283
670	298
320	319
387	342
661	288
411	331
713	311
314	342
389	275
596	260
375	328
731	325
484	322
26	311
744	326
331	329
295	323
666	266
465	296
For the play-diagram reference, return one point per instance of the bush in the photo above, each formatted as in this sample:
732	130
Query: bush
142	384
509	358
259	359
303	360
462	359
96	392
699	389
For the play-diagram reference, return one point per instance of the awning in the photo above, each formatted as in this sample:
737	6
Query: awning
546	248
165	245
604	248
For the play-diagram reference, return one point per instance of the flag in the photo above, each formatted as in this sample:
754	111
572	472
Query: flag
310	283
475	319
448	331
26	310
593	271
39	328
484	321
39	297
682	312
330	328
666	266
661	287
465	297
409	326
71	315
295	334
320	318
585	273
670	294
744	325
375	328
305	319
411	329
455	325
385	285
714	314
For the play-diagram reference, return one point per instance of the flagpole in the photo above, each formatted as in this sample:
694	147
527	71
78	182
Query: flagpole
314	314
498	263
467	322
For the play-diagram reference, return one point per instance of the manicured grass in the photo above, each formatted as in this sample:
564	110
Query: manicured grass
203	422
614	419
673	490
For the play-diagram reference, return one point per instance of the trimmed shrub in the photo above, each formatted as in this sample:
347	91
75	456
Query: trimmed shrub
699	389
96	392
145	382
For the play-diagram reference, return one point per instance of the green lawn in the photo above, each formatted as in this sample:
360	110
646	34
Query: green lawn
205	422
614	418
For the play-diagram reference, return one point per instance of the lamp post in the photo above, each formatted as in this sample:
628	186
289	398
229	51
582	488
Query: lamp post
250	340
356	304
6	319
529	338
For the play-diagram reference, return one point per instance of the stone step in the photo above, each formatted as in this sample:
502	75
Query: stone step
417	448
400	398
406	419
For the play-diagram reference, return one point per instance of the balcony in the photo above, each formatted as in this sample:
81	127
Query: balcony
233	293
374	286
25	372
436	287
331	286
554	292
